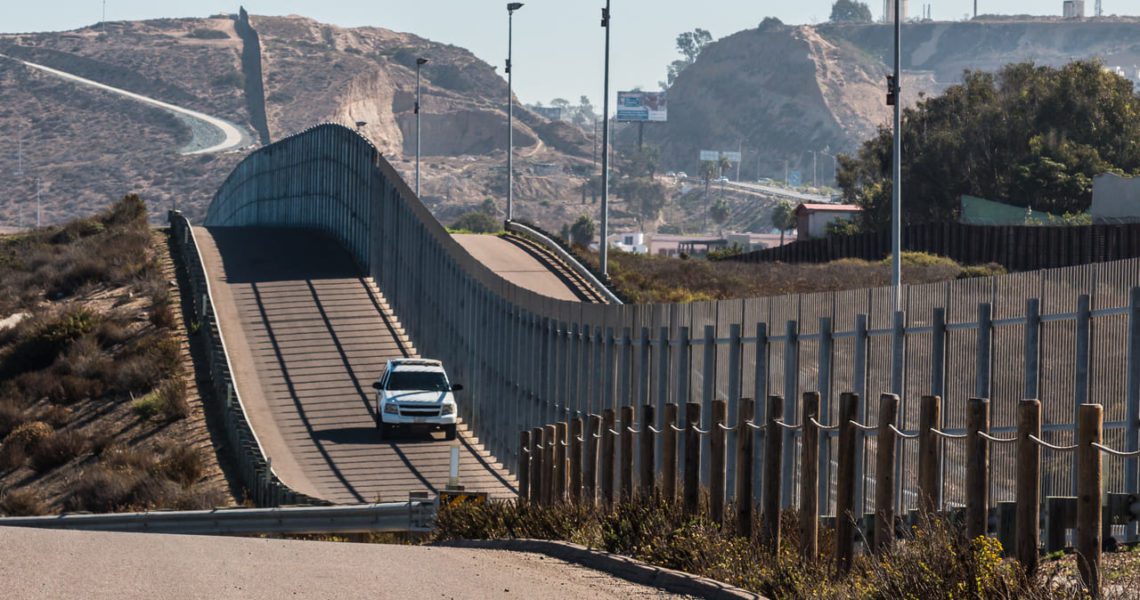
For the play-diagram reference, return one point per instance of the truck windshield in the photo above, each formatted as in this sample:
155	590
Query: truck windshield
417	380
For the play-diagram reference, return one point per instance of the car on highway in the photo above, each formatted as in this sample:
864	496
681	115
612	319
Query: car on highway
720	180
764	180
415	394
682	175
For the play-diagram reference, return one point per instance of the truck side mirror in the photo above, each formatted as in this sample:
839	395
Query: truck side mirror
457	387
376	385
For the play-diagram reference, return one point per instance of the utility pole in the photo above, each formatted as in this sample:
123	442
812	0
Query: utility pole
894	98
814	171
603	255
419	63
103	21
39	211
595	143
511	8
975	9
740	151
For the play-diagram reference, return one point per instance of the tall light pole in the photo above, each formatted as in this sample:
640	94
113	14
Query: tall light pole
893	98
603	255
419	63
39	211
511	8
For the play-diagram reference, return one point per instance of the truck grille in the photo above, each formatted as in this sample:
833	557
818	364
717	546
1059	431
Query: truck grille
419	411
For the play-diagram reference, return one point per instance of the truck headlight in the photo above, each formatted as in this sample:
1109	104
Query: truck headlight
448	409
391	409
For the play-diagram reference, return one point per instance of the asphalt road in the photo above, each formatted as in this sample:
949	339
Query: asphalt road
515	265
45	564
306	340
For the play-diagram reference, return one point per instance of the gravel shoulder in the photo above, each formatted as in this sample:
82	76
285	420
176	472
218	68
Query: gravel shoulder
81	564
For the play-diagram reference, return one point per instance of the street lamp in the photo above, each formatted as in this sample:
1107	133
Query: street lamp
893	98
419	63
511	8
603	246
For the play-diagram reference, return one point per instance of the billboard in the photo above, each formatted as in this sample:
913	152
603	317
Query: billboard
714	155
641	107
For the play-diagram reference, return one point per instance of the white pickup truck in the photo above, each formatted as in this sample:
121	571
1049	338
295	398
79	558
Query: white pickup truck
414	393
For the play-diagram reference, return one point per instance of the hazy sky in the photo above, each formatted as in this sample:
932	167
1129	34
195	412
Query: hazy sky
558	43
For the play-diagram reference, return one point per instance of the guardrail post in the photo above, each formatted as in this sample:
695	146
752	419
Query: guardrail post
524	465
607	457
746	411
885	473
576	438
1090	489
590	460
977	467
809	477
559	489
536	471
1028	485
669	454
717	467
626	438
929	455
845	483
770	499
645	444
550	469
691	493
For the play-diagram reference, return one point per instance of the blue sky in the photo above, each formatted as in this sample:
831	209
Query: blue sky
558	43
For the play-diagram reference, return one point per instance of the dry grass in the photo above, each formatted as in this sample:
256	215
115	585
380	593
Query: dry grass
659	279
936	561
101	331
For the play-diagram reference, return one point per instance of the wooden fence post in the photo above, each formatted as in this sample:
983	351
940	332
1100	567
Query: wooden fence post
746	411
1089	489
1028	485
524	465
885	473
646	443
929	455
576	443
809	477
549	469
626	438
691	493
560	448
590	460
977	467
773	455
717	462
536	451
845	483
607	457
669	454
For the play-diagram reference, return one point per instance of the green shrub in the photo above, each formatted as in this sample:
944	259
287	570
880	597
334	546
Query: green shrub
41	346
167	401
184	465
205	33
477	222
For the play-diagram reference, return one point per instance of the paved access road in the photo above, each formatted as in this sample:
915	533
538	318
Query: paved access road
306	339
44	564
515	265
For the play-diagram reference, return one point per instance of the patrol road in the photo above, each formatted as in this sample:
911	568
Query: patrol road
307	336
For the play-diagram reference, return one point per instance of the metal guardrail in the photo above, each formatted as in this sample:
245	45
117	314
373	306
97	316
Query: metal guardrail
566	257
412	516
255	469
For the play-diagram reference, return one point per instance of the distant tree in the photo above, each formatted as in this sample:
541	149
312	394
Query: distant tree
689	44
719	213
850	11
641	162
722	164
584	115
707	172
488	207
842	227
560	103
1030	136
646	196
770	23
582	231
783	218
477	222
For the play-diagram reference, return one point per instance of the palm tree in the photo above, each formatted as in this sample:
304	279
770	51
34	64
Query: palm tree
707	172
783	217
